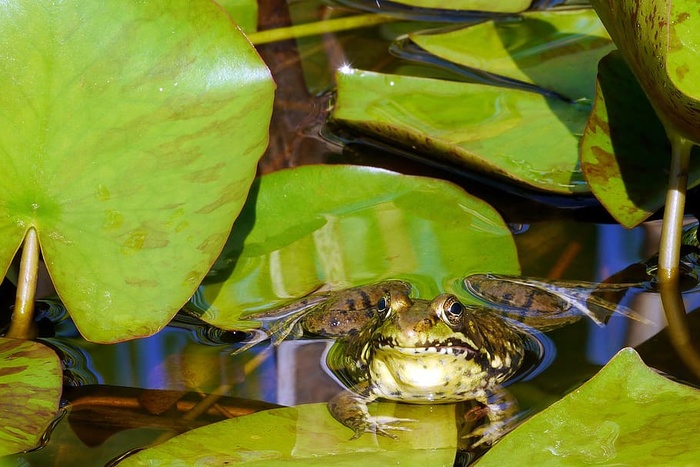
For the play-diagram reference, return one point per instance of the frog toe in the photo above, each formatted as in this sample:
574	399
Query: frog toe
487	435
383	425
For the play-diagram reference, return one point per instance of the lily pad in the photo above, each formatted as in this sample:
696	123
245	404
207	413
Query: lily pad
508	133
658	40
625	153
556	51
30	384
342	226
130	135
308	435
627	414
502	6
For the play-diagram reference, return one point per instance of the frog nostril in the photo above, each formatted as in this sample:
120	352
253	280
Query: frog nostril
423	325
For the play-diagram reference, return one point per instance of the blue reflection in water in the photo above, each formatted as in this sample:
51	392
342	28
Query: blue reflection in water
617	248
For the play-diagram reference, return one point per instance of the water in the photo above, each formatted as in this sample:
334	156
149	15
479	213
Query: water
125	396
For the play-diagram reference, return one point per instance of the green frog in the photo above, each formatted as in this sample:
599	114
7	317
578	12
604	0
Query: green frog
392	346
428	352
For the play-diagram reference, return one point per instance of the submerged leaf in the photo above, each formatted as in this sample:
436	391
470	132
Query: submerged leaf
131	133
518	135
627	414
30	384
244	13
343	226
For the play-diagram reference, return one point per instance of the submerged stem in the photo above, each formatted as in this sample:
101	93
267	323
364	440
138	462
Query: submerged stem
669	255
319	27
22	324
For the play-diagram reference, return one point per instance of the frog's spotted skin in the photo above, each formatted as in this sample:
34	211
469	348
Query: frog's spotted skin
548	304
331	314
425	352
391	346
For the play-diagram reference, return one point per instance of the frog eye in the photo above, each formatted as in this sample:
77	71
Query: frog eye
384	305
452	311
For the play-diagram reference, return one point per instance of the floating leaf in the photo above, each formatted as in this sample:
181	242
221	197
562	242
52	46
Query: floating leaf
30	384
308	435
557	51
501	6
658	39
344	226
519	135
131	133
624	149
627	414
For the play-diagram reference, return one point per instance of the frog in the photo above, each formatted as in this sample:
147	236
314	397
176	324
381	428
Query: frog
392	346
429	352
389	345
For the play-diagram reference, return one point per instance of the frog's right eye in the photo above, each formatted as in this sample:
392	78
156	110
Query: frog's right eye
384	305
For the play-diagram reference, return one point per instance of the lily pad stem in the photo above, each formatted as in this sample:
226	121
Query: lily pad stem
22	324
669	254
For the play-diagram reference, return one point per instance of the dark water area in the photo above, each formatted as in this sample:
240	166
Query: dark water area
126	396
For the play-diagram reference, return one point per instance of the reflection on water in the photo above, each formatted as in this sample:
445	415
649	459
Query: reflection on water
189	360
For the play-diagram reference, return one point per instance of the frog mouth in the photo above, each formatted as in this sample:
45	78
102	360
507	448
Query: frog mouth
450	346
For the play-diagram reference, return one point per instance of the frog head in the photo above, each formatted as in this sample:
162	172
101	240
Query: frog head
438	350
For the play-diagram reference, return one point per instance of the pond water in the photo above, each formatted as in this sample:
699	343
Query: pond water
125	396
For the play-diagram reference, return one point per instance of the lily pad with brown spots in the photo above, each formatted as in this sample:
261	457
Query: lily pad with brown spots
625	153
30	388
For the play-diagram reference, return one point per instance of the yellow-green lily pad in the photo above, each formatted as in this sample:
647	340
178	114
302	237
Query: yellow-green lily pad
30	388
659	41
625	153
501	6
342	226
130	136
627	414
308	435
557	51
507	133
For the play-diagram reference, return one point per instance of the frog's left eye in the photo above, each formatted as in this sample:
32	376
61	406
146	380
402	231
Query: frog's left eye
384	305
452	311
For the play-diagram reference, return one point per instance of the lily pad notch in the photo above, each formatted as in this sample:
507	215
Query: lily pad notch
131	135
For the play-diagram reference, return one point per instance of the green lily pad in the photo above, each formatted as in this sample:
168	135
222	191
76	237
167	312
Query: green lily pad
501	6
517	135
30	384
658	40
344	226
627	414
557	51
625	153
308	435
131	133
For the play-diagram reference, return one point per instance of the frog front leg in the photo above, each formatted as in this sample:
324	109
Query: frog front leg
500	407
350	409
